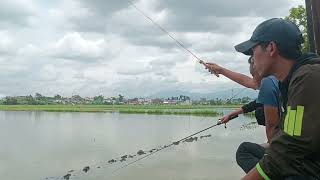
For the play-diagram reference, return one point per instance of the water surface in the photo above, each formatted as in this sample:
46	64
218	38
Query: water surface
40	145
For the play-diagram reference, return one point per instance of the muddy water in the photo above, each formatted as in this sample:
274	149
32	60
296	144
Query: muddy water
46	145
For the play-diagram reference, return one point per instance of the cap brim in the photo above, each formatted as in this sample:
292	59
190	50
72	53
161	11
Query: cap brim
246	47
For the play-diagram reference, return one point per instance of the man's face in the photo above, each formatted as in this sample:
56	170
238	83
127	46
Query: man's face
253	72
262	61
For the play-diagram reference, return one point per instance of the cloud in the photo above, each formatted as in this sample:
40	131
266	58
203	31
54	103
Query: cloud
74	47
88	16
16	13
7	44
104	7
218	17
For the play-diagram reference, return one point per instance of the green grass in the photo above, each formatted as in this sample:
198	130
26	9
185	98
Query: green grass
198	110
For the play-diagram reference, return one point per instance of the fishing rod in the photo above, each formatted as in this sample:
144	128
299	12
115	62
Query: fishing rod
174	143
165	31
176	41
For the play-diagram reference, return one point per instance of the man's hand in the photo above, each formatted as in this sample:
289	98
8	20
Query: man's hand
230	116
225	119
213	68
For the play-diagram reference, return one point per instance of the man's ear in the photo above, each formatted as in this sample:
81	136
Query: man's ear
273	49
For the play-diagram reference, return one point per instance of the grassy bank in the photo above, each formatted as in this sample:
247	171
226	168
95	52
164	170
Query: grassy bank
199	110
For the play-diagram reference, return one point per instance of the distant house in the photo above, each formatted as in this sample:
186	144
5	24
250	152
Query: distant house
88	100
59	101
171	102
133	101
184	100
139	101
157	101
144	101
108	101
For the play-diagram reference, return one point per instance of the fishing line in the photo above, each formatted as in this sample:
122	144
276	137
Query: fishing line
165	31
167	146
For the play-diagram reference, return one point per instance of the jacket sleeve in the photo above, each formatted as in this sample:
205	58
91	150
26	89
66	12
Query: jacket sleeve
296	140
251	106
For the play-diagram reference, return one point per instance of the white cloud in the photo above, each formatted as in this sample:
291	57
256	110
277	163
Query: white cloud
74	47
7	44
30	50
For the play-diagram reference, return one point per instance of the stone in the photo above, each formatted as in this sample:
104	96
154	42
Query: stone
67	176
140	152
86	169
176	143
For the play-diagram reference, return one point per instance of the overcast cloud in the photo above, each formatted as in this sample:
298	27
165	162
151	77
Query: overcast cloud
108	47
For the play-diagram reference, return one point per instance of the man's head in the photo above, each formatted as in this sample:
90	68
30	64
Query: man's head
272	40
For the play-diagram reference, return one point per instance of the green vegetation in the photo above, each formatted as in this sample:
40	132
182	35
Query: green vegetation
198	110
298	15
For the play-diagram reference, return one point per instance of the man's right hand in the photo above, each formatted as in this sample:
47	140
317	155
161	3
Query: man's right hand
214	68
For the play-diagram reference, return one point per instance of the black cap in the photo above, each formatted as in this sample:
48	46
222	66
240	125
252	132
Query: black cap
283	32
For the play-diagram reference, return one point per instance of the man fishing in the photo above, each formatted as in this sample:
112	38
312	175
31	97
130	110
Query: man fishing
267	110
294	151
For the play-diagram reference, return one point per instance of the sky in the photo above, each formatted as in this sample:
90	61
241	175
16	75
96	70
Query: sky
105	47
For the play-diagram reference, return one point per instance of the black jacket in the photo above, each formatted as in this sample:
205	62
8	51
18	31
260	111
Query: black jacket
259	112
295	149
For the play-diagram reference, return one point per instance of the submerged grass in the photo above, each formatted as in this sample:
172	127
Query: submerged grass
198	110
